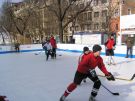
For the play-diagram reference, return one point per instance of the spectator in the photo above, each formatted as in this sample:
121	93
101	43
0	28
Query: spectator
129	43
17	46
110	47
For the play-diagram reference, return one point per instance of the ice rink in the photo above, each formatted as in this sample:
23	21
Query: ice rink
29	77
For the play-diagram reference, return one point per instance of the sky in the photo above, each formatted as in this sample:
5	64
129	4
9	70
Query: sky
1	1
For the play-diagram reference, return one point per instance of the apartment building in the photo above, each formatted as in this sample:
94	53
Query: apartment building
128	7
101	18
104	17
127	22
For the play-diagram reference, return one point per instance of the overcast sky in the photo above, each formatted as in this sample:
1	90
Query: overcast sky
1	1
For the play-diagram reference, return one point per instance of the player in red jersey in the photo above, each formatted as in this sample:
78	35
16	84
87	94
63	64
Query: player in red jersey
110	47
86	68
86	51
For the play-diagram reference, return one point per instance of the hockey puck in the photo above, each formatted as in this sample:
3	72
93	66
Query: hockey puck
36	53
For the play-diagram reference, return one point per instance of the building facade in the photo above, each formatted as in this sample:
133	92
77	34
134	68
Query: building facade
127	26
104	17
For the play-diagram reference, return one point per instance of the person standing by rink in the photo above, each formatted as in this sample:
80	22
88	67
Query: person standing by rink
48	48
129	43
86	68
54	46
17	46
110	47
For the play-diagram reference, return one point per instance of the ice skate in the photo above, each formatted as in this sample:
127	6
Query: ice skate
92	98
108	63
113	63
62	98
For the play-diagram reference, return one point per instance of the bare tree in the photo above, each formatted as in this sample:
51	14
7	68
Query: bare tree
57	15
16	21
62	11
6	21
2	36
110	16
42	22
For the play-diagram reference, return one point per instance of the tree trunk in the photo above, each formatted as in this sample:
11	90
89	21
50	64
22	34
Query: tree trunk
60	32
3	39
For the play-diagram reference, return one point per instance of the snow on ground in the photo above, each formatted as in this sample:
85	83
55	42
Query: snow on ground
29	77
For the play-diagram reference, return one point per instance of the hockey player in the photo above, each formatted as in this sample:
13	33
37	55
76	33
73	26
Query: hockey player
44	47
54	46
86	68
48	50
110	47
85	52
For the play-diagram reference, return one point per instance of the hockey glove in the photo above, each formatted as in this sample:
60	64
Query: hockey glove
3	98
93	72
114	48
110	77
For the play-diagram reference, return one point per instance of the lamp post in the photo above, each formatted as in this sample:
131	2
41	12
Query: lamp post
120	33
119	37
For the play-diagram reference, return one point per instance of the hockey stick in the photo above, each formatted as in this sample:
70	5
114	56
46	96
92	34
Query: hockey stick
109	90
132	77
59	55
38	53
122	78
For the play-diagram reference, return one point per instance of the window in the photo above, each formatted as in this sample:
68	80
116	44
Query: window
96	2
80	17
70	28
96	14
89	15
123	1
103	25
81	5
96	26
89	27
87	3
82	27
76	28
104	13
116	27
103	1
116	12
85	16
129	11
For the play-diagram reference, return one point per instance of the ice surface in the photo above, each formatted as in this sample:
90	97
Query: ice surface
29	77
